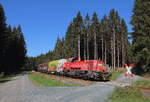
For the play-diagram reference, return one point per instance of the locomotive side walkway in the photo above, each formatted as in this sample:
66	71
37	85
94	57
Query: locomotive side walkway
21	89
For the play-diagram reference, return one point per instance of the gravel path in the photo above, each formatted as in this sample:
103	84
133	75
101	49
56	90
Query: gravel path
20	89
12	91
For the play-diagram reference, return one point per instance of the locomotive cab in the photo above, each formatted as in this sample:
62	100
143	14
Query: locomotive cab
101	67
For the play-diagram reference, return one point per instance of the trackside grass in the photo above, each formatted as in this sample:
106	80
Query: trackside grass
142	83
128	94
132	93
116	73
47	82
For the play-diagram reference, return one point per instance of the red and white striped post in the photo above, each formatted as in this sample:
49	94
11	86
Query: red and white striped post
129	73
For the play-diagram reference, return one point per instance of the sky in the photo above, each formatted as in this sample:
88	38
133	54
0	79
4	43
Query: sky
42	21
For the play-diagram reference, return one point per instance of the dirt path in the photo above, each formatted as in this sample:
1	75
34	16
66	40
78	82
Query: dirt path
20	89
12	91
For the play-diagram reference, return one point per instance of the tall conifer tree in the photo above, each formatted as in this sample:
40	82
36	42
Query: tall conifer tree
141	35
3	38
95	31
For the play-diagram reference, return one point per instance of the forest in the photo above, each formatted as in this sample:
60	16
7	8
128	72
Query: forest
105	39
12	46
86	37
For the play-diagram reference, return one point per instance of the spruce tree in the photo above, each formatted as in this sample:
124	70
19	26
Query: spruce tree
105	35
124	42
114	21
21	47
95	31
69	43
86	33
78	22
58	51
3	39
72	43
141	35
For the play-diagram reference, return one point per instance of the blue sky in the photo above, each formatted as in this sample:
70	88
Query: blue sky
43	21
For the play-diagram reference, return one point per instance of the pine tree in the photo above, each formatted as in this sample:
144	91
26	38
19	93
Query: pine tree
78	27
12	46
105	36
114	21
86	37
70	41
141	35
21	47
3	39
95	31
58	51
124	41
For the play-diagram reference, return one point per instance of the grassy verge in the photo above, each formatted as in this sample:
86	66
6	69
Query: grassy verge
142	83
116	73
129	94
6	78
43	81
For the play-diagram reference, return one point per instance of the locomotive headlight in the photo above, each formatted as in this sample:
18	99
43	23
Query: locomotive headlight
100	65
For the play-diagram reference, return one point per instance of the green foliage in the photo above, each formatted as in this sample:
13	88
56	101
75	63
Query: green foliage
141	55
92	39
128	94
3	37
59	49
72	38
140	49
85	37
69	44
12	46
95	26
30	64
47	82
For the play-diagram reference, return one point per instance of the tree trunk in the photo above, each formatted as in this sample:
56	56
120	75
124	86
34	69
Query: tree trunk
112	54
95	47
114	48
84	48
118	57
123	55
102	48
105	54
79	45
87	47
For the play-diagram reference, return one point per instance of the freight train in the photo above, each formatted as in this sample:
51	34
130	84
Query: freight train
74	67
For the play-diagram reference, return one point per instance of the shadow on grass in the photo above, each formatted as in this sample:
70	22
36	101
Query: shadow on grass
3	81
6	78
